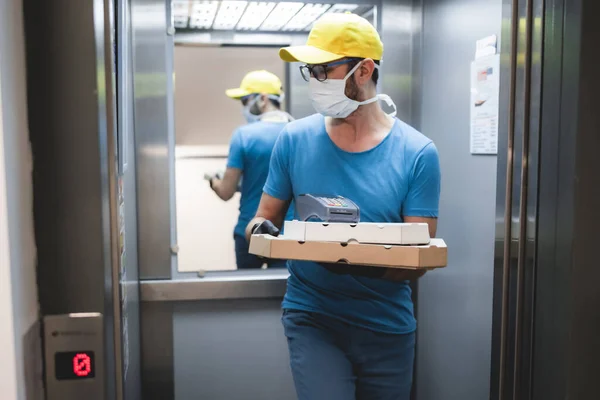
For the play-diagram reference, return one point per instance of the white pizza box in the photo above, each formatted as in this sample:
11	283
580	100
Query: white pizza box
362	232
432	255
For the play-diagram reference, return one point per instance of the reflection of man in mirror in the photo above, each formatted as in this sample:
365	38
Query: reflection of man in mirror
350	329
249	154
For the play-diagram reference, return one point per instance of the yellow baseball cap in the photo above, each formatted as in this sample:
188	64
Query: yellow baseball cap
256	82
335	36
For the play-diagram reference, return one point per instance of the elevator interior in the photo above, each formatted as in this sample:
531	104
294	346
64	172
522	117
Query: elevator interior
246	322
127	122
232	333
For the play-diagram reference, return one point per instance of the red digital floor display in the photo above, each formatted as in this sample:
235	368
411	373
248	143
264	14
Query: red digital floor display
74	365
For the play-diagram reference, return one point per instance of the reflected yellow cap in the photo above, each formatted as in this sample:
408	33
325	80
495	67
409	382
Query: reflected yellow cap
256	82
335	36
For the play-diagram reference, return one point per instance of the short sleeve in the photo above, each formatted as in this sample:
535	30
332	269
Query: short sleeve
236	152
278	183
423	195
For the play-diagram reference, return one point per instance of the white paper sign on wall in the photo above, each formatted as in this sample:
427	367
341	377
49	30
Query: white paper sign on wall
485	93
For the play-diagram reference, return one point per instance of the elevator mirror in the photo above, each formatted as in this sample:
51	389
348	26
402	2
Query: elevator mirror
216	44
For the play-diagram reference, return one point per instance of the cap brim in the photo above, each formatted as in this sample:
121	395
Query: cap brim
307	54
236	93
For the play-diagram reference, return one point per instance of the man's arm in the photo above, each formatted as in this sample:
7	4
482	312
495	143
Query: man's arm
422	202
277	192
225	188
270	209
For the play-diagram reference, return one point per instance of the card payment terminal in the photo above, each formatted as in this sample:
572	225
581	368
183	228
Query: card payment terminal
327	209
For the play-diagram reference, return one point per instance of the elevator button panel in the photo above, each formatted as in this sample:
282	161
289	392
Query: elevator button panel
74	356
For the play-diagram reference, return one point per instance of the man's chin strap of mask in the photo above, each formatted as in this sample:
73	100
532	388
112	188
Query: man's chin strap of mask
389	102
269	116
381	97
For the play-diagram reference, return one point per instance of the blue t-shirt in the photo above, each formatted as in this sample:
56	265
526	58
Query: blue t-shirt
399	177
250	151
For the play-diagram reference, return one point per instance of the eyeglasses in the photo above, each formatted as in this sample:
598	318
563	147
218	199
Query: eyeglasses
319	72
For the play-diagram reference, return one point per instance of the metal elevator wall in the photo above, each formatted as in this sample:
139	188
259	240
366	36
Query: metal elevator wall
129	276
71	120
454	310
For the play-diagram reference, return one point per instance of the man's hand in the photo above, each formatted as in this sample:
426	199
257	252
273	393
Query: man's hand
261	227
399	274
214	175
225	185
270	209
265	227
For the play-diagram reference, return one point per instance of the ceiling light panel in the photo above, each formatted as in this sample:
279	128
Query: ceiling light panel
255	14
180	9
306	16
280	16
229	14
336	8
203	14
342	8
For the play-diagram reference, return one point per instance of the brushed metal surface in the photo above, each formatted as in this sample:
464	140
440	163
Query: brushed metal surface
222	286
74	332
127	278
517	199
154	137
454	308
72	131
505	245
566	331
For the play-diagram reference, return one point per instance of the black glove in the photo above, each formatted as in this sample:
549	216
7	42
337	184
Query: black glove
265	227
358	270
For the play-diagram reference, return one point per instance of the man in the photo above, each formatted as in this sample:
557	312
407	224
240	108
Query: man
350	330
249	153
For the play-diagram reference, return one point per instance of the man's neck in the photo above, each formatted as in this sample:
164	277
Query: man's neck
269	107
362	130
271	114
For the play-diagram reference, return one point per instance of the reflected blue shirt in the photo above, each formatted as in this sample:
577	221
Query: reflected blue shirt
250	151
399	177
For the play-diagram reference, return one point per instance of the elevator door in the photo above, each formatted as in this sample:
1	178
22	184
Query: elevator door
81	131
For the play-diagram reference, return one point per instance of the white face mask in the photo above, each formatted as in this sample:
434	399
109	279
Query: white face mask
251	117
329	97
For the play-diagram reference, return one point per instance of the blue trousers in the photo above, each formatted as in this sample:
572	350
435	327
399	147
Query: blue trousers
245	260
332	360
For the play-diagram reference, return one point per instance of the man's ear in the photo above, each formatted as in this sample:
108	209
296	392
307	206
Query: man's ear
366	69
